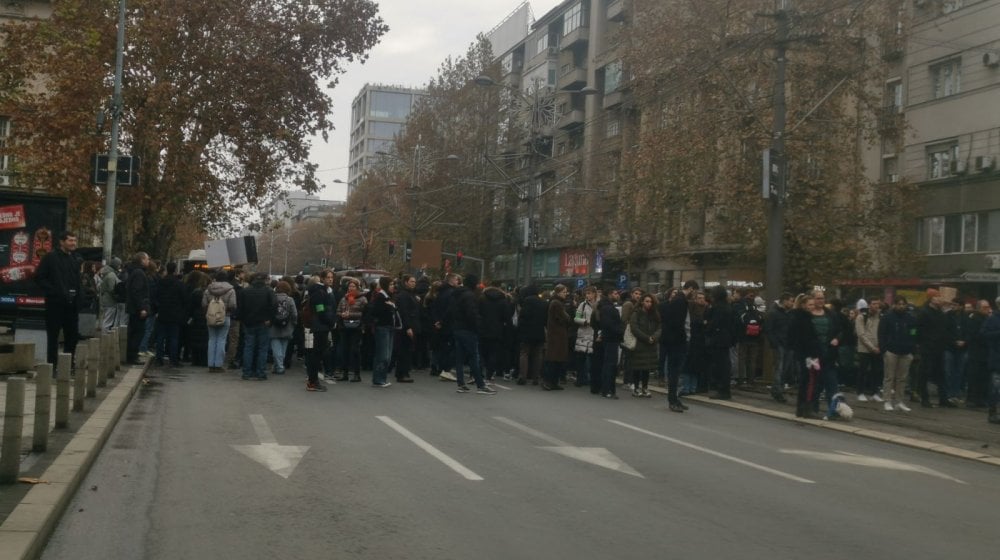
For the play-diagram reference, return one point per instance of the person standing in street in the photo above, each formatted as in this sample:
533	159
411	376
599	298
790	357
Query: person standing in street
464	315
897	340
776	331
137	305
646	327
318	316
585	334
383	312
222	291
866	325
977	372
108	276
58	275
170	300
674	341
408	306
612	330
719	339
256	306
557	339
991	335
532	316
286	316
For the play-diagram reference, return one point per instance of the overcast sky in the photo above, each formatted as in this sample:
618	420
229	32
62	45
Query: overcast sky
422	33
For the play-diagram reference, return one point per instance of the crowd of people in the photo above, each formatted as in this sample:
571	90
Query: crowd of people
604	338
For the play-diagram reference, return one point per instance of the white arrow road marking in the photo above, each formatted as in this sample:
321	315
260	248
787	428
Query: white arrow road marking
430	449
868	461
714	453
281	459
594	455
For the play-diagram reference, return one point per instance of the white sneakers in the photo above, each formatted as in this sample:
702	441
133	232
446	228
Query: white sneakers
862	397
876	398
888	407
448	375
901	406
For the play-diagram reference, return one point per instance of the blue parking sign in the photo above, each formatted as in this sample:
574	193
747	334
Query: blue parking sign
622	281
580	283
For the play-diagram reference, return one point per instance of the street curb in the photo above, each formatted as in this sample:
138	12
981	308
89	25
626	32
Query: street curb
847	428
25	531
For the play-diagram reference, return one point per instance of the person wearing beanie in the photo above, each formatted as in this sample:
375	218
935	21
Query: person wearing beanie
861	305
112	311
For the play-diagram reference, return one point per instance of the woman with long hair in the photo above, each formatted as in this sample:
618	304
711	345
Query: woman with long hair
349	312
645	324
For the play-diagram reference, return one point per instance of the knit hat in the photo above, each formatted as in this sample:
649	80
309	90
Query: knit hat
115	263
862	304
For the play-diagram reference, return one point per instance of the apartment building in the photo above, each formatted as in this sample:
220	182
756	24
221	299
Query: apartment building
948	88
568	69
378	114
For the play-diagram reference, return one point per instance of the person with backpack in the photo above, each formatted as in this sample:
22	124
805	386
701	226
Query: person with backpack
283	325
219	303
110	293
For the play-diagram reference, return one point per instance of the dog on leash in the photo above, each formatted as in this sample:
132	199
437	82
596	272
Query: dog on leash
843	410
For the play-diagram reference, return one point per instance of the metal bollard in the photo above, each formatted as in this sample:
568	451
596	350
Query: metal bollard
62	390
80	377
13	425
93	364
43	406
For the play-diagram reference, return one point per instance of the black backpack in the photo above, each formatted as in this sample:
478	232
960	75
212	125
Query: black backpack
283	314
752	322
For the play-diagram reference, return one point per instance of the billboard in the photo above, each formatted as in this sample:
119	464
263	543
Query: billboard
28	226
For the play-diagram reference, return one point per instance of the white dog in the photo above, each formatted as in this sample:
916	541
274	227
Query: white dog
843	409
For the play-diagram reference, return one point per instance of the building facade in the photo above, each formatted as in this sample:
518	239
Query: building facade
378	114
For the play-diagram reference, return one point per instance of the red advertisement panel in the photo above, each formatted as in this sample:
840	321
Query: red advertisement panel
574	262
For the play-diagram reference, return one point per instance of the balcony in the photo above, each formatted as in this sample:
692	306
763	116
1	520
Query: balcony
579	36
549	53
890	120
612	99
616	10
571	119
572	77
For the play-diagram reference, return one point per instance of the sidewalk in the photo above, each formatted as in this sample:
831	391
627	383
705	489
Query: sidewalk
30	512
959	432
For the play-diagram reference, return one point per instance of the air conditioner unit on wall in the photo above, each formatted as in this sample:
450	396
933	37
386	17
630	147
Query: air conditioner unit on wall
991	59
6	181
993	262
984	163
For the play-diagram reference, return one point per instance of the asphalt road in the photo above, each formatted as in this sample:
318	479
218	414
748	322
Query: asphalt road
209	466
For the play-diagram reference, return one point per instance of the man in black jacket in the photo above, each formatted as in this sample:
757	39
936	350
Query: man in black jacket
256	306
442	343
58	275
137	305
674	340
532	317
776	329
612	330
408	307
170	300
932	339
495	311
464	315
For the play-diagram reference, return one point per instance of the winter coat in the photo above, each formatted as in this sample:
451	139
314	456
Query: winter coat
532	317
610	322
409	310
557	332
321	307
293	317
805	342
584	328
645	325
382	309
495	312
222	290
106	287
170	300
932	330
58	274
137	291
463	313
897	333
776	326
866	326
719	327
354	312
990	333
673	316
256	305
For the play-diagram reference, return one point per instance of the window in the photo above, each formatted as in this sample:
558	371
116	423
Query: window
614	128
384	129
542	44
959	233
508	63
612	76
940	159
389	105
4	133
380	146
890	170
894	96
946	77
573	19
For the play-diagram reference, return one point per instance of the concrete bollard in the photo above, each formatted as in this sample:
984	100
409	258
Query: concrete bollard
43	406
93	364
122	346
62	390
80	377
105	363
13	425
116	358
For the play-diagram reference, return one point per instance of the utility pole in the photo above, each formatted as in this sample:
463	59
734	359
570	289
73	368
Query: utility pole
774	279
116	118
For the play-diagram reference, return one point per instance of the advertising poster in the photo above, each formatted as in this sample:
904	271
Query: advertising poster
574	263
28	226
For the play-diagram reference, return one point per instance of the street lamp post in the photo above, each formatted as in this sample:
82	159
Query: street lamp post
116	117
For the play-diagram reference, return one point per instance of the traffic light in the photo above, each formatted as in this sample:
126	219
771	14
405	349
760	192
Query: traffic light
392	247
458	258
409	251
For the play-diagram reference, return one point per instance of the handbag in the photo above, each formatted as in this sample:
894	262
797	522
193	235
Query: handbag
628	339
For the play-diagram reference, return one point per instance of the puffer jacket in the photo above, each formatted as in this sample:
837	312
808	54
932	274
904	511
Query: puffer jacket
106	288
584	330
222	290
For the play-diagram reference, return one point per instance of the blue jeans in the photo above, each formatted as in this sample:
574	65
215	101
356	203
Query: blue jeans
217	344
954	371
383	353
147	334
256	339
467	349
278	347
168	338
